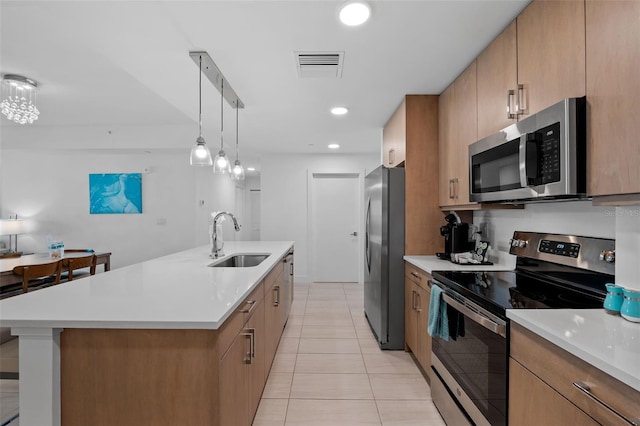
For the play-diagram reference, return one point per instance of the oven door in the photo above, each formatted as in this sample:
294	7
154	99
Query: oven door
472	365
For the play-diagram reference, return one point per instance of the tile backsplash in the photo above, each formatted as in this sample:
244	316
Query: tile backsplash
571	217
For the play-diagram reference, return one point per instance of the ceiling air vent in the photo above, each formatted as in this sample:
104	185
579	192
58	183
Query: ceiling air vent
319	64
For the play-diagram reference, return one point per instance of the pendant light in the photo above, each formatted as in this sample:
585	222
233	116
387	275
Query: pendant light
200	154
221	164
237	172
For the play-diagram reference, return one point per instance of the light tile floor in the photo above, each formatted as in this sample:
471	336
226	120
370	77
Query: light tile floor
329	370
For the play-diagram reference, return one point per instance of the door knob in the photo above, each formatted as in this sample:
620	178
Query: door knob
355	234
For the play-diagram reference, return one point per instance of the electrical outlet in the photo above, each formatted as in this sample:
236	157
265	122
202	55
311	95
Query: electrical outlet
161	221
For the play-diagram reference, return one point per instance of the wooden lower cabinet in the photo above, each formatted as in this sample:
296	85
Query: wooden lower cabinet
534	403
274	313
242	372
417	296
234	382
173	377
542	388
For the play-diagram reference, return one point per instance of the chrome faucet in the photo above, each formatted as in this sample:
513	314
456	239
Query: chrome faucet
216	251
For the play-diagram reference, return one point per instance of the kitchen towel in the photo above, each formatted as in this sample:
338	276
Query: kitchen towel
438	325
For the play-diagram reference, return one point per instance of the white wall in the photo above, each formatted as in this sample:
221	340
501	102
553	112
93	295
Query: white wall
283	197
50	189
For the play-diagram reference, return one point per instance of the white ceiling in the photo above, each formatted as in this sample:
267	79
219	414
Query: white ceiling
124	66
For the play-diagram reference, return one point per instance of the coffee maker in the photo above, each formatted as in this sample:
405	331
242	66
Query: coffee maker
456	236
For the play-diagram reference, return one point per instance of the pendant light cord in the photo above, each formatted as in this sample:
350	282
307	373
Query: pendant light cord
222	115
237	110
200	98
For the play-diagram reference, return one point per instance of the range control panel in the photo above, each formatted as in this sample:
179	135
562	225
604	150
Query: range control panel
559	248
593	254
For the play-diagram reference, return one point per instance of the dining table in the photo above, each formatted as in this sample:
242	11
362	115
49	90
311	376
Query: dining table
8	277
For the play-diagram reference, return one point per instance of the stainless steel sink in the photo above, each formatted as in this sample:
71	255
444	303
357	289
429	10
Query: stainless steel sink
240	261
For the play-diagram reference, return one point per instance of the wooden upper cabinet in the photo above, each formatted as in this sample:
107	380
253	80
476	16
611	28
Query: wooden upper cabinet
497	73
613	89
421	175
466	105
458	129
551	52
447	132
394	135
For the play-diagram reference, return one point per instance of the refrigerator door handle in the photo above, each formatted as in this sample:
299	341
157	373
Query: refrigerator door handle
367	247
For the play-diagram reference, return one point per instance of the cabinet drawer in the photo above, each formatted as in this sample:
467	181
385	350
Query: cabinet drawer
237	320
417	275
273	276
560	370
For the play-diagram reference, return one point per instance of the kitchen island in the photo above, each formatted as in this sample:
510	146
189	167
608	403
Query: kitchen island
147	343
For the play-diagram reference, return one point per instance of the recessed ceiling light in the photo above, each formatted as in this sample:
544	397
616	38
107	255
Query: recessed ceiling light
354	13
339	110
333	146
251	169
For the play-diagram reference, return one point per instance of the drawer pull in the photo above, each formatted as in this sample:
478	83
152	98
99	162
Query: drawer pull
276	290
584	388
247	358
416	275
252	303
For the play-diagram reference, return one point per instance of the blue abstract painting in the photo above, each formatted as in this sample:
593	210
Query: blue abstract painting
115	193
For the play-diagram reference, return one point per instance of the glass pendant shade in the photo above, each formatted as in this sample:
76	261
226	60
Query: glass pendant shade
237	173
221	164
200	154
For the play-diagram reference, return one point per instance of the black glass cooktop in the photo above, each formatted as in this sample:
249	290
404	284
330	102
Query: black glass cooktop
528	288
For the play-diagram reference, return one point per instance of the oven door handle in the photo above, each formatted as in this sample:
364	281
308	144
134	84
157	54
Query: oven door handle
487	323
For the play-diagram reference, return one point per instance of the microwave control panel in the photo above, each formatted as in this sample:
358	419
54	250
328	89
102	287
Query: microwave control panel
549	154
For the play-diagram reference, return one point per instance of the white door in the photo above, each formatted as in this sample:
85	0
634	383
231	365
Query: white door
335	221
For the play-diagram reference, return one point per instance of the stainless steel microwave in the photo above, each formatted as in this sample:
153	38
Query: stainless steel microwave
542	157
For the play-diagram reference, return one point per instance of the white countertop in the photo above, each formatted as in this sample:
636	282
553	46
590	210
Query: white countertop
433	263
609	343
175	291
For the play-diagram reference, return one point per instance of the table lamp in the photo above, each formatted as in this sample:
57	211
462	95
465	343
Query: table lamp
12	227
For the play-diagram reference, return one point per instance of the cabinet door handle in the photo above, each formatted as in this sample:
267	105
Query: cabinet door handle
252	304
584	388
455	188
520	107
276	290
451	189
413	299
249	334
510	95
392	156
418	302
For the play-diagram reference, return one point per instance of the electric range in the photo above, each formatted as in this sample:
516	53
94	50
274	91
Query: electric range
470	368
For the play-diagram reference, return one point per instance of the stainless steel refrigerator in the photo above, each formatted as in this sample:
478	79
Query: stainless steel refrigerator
384	251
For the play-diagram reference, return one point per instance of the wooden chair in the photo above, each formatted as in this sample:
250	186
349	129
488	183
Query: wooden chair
74	263
36	276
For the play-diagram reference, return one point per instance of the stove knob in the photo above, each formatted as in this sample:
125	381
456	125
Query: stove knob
514	243
608	256
522	243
